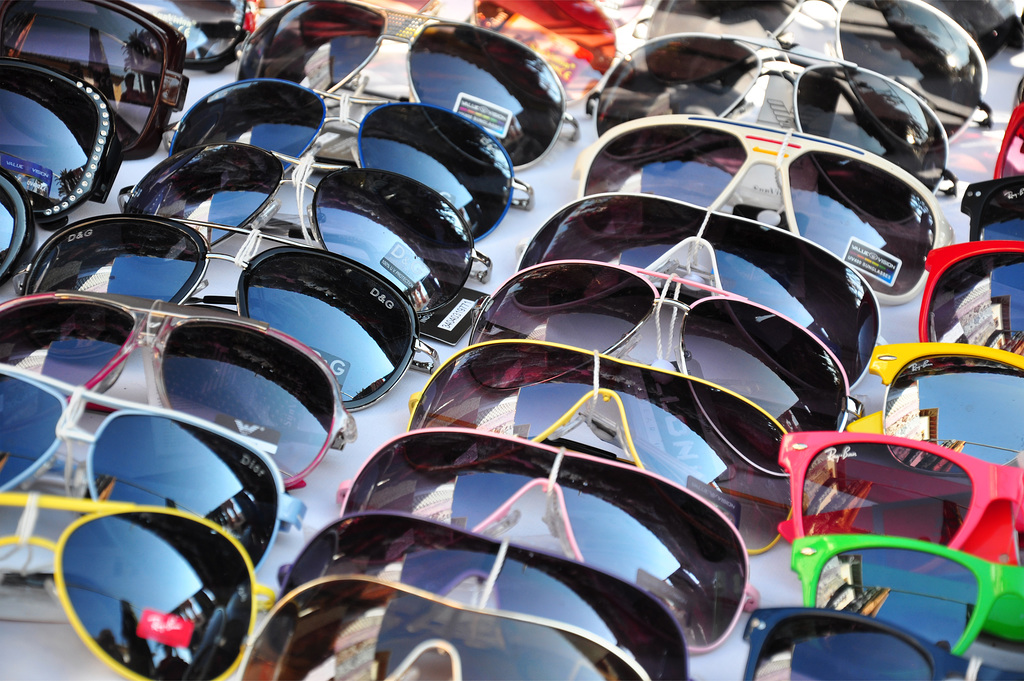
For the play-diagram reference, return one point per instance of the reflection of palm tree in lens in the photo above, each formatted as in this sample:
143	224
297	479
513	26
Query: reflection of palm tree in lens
68	181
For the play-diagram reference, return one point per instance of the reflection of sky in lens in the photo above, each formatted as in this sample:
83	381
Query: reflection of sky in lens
28	418
33	133
977	407
1008	282
397	157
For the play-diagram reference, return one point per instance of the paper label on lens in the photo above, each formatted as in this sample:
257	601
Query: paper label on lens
34	177
405	265
165	628
867	259
450	322
491	117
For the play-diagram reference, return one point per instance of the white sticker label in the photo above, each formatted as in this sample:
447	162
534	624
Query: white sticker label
875	263
491	117
464	307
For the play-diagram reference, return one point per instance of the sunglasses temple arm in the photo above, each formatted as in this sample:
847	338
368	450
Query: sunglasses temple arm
426	367
522	202
483	273
570	128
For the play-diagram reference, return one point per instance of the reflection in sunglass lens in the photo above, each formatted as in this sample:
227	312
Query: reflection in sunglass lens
211	28
733	17
28	421
1002	214
960	309
161	595
493	80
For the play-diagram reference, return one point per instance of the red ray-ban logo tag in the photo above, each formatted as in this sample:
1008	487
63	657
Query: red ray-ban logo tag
165	628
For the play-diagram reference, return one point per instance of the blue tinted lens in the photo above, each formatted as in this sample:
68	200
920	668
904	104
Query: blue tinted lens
157	461
967	288
120	570
28	419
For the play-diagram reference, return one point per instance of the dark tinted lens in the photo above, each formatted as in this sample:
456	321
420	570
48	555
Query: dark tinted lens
863	214
920	47
17	226
157	461
733	17
125	58
578	304
211	28
771	361
275	115
679	161
455	157
364	327
874	488
399	228
318	44
71	341
974	301
1001	216
288	403
227	184
28	422
939	399
626	522
992	24
918	591
875	114
679	75
127	575
691	432
492	80
130	255
447	561
369	625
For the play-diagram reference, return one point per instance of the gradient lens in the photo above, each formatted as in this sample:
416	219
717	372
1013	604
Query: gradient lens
28	423
974	301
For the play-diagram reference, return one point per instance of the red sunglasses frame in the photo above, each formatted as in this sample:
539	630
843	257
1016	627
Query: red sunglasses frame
1014	130
989	529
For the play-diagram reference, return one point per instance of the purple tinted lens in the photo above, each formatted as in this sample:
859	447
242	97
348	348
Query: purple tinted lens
450	562
773	362
684	162
401	229
492	80
72	341
626	522
966	294
732	17
317	43
678	75
579	304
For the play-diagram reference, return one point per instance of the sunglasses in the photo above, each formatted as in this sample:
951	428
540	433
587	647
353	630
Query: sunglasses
872	214
714	75
992	206
490	78
1010	161
153	592
213	29
241	489
910	40
216	366
456	564
969	297
828	645
767	266
725	339
17	224
946	596
854	483
361	627
616	518
135	59
956	381
693	432
55	138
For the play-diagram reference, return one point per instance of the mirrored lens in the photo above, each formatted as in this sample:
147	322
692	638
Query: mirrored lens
158	461
495	81
733	17
364	327
975	301
399	228
161	595
276	115
28	422
133	256
453	156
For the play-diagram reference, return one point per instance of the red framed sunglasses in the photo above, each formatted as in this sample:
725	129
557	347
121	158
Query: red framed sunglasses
859	483
1011	152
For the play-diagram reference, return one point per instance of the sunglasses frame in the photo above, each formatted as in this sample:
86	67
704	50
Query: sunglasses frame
994	489
772	147
1014	131
976	198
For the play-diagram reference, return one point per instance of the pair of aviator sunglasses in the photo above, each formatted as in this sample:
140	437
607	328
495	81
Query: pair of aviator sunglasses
714	75
153	592
722	338
236	372
355	626
856	483
911	41
56	138
143	455
947	597
872	214
699	435
777	269
613	517
134	59
457	564
816	644
490	78
935	392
